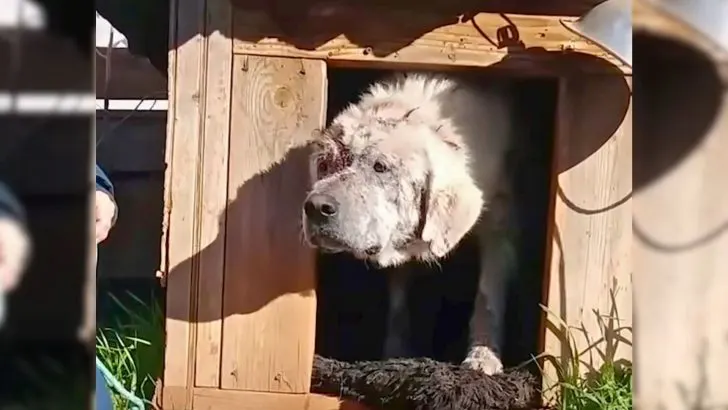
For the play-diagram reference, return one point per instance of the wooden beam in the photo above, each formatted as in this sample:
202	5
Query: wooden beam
588	286
214	192
179	235
215	399
400	39
269	294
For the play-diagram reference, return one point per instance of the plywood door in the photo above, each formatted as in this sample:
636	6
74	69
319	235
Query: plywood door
588	286
195	196
269	294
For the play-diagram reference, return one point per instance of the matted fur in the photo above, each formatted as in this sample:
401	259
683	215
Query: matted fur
407	172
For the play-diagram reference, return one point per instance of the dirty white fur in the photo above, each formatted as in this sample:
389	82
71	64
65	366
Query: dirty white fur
413	167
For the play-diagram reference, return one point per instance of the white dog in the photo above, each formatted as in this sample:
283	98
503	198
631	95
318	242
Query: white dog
407	172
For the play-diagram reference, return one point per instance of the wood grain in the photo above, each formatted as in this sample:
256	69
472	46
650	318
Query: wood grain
225	399
269	291
181	187
590	275
401	39
215	399
681	226
214	191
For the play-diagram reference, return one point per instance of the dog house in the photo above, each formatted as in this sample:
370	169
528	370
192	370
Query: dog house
249	84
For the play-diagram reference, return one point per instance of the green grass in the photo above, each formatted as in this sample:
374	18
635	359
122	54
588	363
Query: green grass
609	389
132	348
581	386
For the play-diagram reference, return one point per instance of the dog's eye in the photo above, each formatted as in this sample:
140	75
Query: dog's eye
380	167
322	167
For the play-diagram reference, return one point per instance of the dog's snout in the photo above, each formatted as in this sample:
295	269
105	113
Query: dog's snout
319	207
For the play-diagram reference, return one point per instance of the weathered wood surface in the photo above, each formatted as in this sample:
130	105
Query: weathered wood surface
269	301
389	37
240	283
588	286
214	399
681	223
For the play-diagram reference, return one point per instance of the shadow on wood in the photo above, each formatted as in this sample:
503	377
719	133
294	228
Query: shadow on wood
310	24
679	102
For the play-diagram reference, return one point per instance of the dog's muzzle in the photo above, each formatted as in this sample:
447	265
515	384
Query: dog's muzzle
320	208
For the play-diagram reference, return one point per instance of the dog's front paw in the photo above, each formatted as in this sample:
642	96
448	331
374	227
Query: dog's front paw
483	359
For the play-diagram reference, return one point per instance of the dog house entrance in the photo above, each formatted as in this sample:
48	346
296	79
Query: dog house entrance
353	299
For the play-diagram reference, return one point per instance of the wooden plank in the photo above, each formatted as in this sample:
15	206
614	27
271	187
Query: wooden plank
181	185
681	236
214	192
216	399
590	274
350	34
269	293
131	76
212	399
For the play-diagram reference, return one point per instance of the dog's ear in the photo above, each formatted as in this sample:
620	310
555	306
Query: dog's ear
450	213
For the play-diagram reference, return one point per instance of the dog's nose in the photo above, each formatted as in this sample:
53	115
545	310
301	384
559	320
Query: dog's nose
319	207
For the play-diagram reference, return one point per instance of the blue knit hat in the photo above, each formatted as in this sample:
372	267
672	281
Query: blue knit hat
9	204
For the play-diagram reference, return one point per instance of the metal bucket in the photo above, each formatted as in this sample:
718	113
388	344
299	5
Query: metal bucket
609	25
707	17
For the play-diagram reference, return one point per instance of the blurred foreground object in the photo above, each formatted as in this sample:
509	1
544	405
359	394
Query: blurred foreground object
14	244
608	25
680	217
699	23
707	17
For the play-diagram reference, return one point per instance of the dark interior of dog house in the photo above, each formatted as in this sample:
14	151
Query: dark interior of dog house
352	295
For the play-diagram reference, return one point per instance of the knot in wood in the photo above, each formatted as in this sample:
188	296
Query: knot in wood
283	97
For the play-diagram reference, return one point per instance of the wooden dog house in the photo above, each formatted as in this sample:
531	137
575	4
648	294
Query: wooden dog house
248	85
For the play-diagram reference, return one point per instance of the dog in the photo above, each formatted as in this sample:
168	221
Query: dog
410	170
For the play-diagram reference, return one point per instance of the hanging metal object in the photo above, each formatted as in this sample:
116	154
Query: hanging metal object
707	17
608	25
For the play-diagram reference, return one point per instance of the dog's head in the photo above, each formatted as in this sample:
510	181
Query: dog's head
389	187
